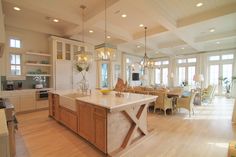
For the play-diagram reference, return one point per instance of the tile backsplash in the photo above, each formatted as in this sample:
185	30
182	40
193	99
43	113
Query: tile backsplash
28	83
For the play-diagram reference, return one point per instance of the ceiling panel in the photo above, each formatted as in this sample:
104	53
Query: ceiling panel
185	8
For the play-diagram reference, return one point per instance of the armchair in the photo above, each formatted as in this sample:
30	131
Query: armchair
186	102
162	102
208	93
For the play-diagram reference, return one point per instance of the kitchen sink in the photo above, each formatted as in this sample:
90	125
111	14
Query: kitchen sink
69	100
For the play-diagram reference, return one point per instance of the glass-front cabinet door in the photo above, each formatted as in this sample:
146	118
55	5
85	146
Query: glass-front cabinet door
67	51
59	50
64	50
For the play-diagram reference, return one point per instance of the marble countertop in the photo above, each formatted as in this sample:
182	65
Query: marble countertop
110	101
20	91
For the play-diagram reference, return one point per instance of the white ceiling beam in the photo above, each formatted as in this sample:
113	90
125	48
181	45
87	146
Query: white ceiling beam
151	32
215	37
171	44
115	31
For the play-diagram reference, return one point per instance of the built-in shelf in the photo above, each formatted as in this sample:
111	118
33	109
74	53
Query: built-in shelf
38	75
38	54
37	64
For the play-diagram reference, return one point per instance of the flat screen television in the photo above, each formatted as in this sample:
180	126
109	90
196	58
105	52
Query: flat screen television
135	76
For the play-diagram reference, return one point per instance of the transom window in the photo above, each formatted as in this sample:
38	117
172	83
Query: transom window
227	56
187	60
214	58
221	57
15	43
165	62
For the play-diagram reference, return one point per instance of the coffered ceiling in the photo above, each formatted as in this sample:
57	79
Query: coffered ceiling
175	27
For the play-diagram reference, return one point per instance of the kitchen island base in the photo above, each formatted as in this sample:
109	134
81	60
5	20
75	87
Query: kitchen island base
112	130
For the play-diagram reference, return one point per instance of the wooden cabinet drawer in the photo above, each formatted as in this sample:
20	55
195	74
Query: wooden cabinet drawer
41	104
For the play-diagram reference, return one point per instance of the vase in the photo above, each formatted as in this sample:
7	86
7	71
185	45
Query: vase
83	85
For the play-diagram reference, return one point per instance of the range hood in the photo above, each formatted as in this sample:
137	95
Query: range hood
2	31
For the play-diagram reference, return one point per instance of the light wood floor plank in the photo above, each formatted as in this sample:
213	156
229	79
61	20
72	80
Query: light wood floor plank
206	134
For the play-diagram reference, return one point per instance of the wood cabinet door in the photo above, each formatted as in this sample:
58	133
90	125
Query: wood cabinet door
50	102
63	116
56	106
86	121
27	103
100	132
72	121
68	118
15	100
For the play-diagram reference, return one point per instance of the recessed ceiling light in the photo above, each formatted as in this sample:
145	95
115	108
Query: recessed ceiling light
124	15
55	20
138	46
199	4
141	25
108	37
16	8
90	31
217	42
182	48
212	30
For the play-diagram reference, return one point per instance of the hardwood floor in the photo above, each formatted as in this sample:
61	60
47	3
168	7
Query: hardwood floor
206	134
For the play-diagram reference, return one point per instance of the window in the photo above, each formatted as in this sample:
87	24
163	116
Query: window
192	60
15	64
214	58
15	43
181	61
127	60
191	73
157	76
214	74
128	74
228	56
158	63
165	76
227	71
181	74
165	62
104	83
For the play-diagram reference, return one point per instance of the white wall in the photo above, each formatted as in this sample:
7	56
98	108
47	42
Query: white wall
90	76
30	41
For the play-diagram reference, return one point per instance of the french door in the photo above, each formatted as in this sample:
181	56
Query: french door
220	70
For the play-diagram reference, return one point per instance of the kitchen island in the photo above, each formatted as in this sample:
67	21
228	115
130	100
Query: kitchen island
110	123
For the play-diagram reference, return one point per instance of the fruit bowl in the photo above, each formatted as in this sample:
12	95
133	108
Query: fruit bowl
105	91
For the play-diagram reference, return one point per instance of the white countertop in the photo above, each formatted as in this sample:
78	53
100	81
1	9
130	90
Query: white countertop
110	101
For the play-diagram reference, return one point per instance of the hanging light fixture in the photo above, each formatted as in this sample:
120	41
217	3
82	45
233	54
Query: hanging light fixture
105	51
82	57
146	62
